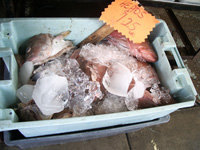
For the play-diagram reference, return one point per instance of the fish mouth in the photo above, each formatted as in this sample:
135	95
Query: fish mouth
64	34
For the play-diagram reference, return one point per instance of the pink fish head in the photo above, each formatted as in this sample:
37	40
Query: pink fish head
44	47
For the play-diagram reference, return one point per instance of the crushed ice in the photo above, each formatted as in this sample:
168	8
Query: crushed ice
110	104
61	84
82	92
159	94
106	54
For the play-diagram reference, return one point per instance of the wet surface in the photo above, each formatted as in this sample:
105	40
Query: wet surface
180	133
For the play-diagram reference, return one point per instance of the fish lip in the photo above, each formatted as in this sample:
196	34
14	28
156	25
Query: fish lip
63	35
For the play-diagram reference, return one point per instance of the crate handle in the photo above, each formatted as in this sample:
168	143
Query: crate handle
161	45
168	44
8	86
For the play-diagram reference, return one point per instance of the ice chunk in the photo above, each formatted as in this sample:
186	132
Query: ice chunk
134	94
111	104
117	79
82	91
24	93
50	94
25	72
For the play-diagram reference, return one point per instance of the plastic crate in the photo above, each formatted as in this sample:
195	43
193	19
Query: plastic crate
14	138
14	33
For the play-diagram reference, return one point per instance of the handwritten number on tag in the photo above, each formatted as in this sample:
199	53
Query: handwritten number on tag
130	26
129	19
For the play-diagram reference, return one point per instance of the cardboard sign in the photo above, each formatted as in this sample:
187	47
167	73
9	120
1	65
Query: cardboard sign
130	19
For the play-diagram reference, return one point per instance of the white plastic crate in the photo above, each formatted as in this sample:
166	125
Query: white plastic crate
15	32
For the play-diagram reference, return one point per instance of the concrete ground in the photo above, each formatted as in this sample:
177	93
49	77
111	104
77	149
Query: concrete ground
181	132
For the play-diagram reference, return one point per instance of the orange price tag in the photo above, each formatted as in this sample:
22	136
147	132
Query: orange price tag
130	19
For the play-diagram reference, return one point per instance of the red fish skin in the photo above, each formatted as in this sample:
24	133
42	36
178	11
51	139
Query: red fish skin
75	54
171	101
142	51
118	35
148	73
146	101
87	67
84	66
39	47
82	62
132	84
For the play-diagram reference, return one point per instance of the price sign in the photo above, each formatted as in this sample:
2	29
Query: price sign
130	19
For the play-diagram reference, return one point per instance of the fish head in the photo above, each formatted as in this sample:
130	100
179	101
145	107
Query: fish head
59	44
39	48
44	47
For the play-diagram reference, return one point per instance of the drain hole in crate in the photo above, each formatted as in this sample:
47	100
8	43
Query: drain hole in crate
171	59
4	72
